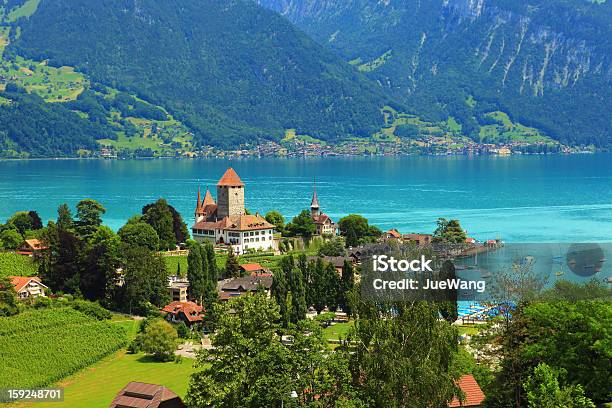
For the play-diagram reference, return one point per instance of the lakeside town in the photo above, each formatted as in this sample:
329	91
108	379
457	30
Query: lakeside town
206	306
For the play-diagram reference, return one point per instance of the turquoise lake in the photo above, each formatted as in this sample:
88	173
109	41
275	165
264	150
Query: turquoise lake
558	198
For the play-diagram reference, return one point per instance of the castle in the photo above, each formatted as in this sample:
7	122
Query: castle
226	222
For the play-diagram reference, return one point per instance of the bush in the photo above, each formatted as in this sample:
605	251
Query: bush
159	340
183	331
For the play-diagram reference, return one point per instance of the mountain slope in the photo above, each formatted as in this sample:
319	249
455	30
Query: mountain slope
546	62
229	70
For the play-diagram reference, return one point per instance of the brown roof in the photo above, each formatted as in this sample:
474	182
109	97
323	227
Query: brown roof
191	310
322	219
473	394
143	395
394	233
230	178
236	223
19	282
251	267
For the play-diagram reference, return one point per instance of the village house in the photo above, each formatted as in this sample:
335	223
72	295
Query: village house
392	234
254	269
422	240
143	395
324	224
188	312
28	286
337	261
32	248
231	288
225	221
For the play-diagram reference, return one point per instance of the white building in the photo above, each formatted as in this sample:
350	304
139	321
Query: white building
225	221
28	286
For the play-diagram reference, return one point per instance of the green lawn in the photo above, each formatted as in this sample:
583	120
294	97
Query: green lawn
172	263
337	331
96	386
469	330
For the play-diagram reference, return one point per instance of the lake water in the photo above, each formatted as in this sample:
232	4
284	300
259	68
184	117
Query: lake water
518	198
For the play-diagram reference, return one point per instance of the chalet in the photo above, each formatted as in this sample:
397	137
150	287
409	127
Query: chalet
28	286
188	312
235	287
254	269
392	234
422	240
474	397
32	247
143	395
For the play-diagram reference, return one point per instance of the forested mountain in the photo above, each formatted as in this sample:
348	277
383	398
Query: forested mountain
229	70
545	62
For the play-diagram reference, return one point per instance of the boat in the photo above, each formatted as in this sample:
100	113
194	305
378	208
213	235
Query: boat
559	273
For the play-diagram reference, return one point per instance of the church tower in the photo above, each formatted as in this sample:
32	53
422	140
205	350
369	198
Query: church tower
314	204
230	195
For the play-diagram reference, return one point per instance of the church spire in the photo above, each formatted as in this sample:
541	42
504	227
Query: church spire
199	200
314	204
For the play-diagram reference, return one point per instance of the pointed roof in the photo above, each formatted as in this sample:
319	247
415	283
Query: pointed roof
199	200
231	179
208	199
315	200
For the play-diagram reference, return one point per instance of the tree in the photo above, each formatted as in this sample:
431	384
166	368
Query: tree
395	362
318	285
356	230
64	217
330	287
298	295
167	222
139	234
36	221
60	265
159	340
99	267
10	239
449	231
89	214
8	298
448	305
347	284
275	218
232	267
182	330
145	282
332	247
21	221
279	293
543	391
197	271
249	365
302	225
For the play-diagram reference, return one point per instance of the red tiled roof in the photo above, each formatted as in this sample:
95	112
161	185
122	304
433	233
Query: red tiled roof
191	310
252	267
473	394
322	219
394	233
236	223
231	179
35	244
21	281
208	200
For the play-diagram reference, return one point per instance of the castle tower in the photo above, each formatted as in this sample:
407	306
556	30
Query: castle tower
230	195
198	209
314	204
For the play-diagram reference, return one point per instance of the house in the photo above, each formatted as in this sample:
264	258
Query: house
337	261
143	395
177	288
32	247
254	269
188	312
474	397
28	286
470	241
421	240
392	234
235	287
323	223
225	222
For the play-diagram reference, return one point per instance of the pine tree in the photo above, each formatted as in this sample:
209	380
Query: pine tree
346	286
195	276
298	296
279	293
232	267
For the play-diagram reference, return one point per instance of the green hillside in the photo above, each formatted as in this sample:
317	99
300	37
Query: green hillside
545	63
230	74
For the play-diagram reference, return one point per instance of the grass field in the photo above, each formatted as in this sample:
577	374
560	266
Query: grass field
337	331
96	386
172	263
